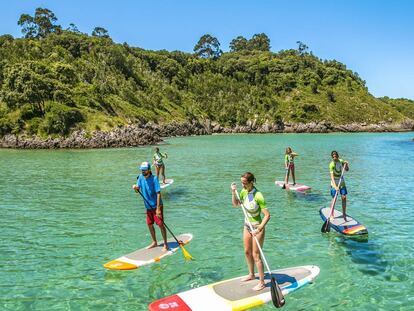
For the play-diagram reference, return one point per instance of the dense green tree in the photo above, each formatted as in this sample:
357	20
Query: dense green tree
40	25
73	28
26	83
302	47
208	47
100	32
239	44
259	42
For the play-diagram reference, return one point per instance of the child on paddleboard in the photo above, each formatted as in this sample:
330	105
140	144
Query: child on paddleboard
335	170
159	163
289	166
255	205
148	185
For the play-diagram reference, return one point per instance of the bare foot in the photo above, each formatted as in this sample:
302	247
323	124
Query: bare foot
345	218
152	245
248	278
259	286
165	249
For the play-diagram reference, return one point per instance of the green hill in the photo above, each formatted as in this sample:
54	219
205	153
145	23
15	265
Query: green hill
67	80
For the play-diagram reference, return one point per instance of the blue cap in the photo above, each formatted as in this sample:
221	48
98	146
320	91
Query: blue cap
145	166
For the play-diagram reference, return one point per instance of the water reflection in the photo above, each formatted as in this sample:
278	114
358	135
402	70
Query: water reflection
367	254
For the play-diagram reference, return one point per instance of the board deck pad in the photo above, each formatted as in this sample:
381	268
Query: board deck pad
349	227
146	256
290	186
168	182
235	294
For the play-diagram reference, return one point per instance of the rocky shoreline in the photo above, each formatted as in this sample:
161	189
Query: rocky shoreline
150	133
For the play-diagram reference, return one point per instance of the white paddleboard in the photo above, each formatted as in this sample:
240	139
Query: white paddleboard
146	256
234	294
168	182
290	186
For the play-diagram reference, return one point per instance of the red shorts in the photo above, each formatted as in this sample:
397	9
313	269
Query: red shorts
152	217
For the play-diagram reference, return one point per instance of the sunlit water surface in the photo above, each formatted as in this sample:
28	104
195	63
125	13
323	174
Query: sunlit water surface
65	213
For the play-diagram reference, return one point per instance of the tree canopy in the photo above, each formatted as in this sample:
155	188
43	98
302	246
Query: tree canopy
208	47
259	42
40	25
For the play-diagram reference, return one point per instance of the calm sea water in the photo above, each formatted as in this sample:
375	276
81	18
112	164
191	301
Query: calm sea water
65	213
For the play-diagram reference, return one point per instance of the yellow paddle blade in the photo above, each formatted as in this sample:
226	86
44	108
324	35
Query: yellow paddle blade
186	254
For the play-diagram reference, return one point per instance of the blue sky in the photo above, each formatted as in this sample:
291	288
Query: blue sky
373	38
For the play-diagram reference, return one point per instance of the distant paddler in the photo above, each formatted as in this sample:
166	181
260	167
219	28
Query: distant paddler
159	163
149	188
289	166
335	169
254	204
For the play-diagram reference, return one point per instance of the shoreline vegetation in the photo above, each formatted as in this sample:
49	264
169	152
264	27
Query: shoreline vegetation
61	88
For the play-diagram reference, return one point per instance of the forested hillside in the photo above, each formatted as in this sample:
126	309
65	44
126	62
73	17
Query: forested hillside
55	80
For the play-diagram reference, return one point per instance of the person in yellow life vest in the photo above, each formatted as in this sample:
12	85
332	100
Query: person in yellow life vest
335	170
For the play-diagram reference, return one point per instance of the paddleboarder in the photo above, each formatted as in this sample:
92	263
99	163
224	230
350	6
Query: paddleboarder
289	166
335	169
149	186
159	163
255	205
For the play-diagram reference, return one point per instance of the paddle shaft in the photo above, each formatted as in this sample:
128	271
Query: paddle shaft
161	219
251	229
286	177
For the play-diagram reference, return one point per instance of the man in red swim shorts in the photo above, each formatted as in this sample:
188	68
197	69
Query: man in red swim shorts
149	187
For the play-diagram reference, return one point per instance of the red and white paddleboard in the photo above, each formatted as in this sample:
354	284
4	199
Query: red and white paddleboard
290	186
234	294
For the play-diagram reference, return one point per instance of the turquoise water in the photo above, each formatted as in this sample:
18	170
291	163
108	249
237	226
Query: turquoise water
65	213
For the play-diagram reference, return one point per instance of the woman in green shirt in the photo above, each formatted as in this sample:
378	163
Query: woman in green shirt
255	205
289	165
159	163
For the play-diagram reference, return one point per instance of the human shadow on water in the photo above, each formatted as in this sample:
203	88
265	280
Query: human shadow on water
175	193
366	253
309	197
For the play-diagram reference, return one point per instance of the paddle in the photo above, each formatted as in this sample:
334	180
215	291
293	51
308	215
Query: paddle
286	178
326	227
186	254
277	296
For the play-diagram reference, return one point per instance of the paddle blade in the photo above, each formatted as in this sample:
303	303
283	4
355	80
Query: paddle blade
277	296
326	227
186	254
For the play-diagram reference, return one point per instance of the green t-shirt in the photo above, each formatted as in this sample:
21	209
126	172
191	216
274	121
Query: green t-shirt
289	158
336	169
158	158
254	203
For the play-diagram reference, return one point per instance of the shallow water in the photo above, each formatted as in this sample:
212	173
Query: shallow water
65	213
